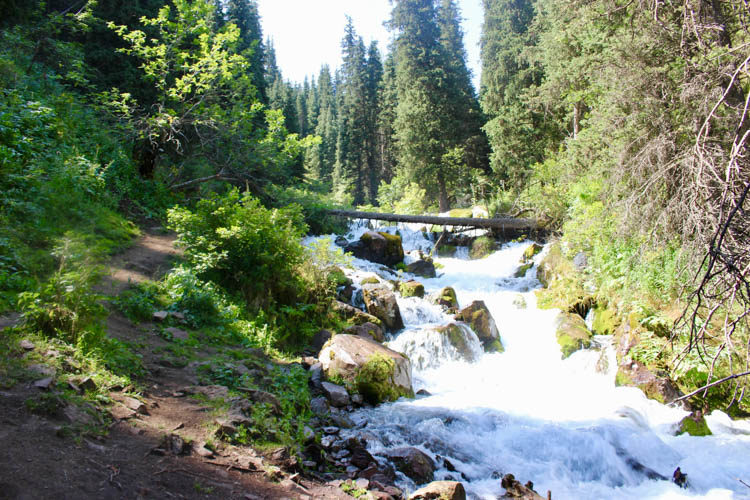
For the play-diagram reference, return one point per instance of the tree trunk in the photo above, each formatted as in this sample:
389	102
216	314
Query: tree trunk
443	194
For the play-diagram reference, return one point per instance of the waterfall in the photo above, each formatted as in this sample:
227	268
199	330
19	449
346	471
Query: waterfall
562	424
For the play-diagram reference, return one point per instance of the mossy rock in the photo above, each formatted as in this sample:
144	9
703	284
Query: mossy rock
479	318
374	381
530	252
411	288
462	213
521	272
446	250
572	334
338	277
605	321
446	297
495	346
563	283
481	247
457	338
695	425
370	280
381	247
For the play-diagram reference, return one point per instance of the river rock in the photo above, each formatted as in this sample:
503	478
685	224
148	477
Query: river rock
445	298
423	267
380	247
411	288
572	333
457	338
369	330
478	317
514	489
336	394
354	315
319	340
414	463
694	424
381	303
341	241
657	386
440	490
530	252
378	373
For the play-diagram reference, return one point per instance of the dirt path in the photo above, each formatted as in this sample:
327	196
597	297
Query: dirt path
154	447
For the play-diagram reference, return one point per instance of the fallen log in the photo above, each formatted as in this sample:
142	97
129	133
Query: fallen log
499	223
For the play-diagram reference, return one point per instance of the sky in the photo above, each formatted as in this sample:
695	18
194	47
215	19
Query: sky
307	33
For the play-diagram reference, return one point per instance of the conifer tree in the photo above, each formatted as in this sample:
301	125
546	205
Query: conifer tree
326	126
374	77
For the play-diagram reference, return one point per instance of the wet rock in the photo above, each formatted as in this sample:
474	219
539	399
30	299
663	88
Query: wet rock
478	317
336	394
446	298
457	338
316	375
361	458
657	386
177	333
423	392
519	301
378	373
530	252
368	330
481	247
572	333
680	478
411	288
514	489
345	294
424	268
440	490
381	303
354	315
379	247
341	241
358	399
413	463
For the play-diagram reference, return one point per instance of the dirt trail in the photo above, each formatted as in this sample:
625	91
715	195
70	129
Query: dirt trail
140	457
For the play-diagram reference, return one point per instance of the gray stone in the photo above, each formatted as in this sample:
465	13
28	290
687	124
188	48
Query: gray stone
580	261
27	345
341	241
320	406
381	302
336	394
160	316
379	247
413	463
44	384
424	268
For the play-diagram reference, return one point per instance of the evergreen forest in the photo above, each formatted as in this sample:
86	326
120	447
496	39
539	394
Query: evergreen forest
620	127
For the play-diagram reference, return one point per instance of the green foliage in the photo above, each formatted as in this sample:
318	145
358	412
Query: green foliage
481	247
233	241
401	196
314	208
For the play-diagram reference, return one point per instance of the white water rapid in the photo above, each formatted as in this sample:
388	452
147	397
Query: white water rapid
558	423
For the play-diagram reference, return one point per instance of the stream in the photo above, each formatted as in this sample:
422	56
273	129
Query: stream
562	424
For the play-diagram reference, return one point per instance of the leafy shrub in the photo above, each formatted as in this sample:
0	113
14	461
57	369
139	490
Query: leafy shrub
235	242
315	208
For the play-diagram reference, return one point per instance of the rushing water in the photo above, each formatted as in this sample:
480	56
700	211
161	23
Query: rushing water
559	423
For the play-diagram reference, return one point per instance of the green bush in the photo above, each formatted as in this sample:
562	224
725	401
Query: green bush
235	242
315	207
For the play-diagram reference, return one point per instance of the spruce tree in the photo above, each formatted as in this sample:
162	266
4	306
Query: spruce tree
374	77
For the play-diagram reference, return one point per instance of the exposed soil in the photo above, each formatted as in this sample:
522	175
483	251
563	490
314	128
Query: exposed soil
138	458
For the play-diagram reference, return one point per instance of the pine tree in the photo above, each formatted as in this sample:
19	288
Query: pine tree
244	14
374	77
432	101
387	141
326	127
351	148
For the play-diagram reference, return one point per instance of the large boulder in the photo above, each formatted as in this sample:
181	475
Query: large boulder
379	247
353	315
369	330
376	372
381	302
572	333
440	490
414	463
423	267
481	321
655	384
445	297
694	424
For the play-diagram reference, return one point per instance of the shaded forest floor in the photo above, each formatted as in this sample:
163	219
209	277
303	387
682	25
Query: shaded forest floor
157	441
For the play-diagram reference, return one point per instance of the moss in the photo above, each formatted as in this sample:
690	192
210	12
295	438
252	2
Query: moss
411	289
481	247
337	276
563	283
605	321
393	245
447	298
572	334
695	425
521	272
370	280
495	346
622	379
374	381
531	251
